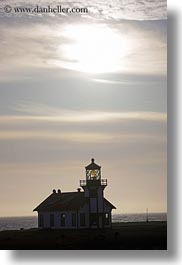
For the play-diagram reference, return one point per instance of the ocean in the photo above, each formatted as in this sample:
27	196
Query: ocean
27	222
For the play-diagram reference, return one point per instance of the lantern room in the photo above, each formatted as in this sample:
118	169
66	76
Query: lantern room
93	171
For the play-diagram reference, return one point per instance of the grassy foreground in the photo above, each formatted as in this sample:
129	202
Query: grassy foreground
152	235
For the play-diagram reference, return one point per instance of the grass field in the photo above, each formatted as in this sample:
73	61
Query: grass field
151	235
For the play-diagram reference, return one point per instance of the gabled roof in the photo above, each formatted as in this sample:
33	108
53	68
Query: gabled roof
64	201
112	206
92	165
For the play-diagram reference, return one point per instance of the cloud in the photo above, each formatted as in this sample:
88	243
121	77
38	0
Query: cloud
87	117
31	44
79	137
99	9
39	121
42	112
33	152
43	122
121	124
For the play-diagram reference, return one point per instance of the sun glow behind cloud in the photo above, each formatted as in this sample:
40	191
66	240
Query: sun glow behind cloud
94	48
101	48
83	47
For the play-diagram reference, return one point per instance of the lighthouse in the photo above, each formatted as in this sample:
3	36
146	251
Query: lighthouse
93	188
84	208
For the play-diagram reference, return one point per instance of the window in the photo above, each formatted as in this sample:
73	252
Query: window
93	219
73	219
51	220
63	219
106	219
93	174
82	219
41	220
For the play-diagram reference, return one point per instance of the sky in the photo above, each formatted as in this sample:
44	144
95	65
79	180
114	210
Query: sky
78	86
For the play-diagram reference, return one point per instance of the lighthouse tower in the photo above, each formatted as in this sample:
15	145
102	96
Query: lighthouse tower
93	188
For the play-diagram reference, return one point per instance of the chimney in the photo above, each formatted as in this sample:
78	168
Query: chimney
54	191
78	189
59	191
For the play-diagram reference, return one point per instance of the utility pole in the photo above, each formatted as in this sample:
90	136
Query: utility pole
147	216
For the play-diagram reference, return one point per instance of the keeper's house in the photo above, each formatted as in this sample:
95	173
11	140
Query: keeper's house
81	209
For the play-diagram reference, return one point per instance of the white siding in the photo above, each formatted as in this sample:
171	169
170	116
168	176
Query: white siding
93	205
86	191
68	219
107	207
100	200
46	219
84	209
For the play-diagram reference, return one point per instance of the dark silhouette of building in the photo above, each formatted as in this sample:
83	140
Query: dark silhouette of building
81	209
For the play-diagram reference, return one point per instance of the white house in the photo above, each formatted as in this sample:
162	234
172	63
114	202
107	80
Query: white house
81	209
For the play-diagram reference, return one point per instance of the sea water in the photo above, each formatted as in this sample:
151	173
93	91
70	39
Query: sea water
139	217
27	222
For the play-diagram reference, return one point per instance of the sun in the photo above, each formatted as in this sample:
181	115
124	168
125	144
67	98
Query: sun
93	48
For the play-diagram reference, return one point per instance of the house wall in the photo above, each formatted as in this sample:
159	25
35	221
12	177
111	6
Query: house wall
68	219
108	209
94	205
100	200
84	209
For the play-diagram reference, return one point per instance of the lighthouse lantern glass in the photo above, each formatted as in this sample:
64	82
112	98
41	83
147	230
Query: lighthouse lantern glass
93	174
